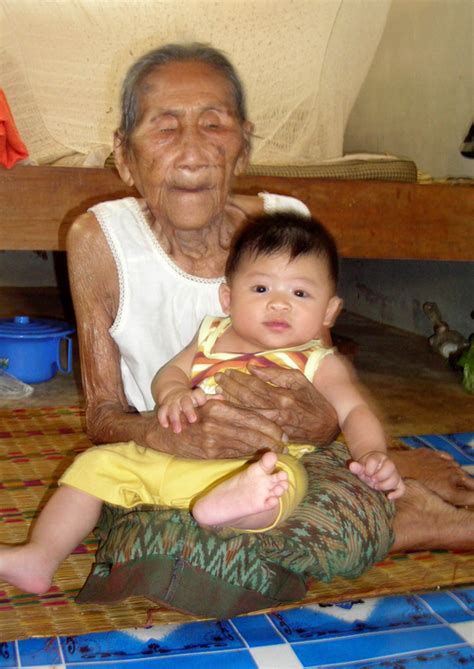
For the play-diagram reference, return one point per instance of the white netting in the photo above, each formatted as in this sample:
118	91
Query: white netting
302	63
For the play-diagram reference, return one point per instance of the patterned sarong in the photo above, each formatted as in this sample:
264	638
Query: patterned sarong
340	529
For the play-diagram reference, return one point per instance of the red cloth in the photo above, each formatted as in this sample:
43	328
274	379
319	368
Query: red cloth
12	148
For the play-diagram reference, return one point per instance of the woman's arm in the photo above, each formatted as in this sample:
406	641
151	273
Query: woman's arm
95	293
221	430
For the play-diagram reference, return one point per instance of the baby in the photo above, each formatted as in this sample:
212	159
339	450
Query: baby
280	297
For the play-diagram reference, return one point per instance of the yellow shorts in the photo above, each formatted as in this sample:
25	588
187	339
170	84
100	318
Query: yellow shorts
127	475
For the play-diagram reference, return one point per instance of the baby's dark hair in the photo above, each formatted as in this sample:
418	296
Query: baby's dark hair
282	233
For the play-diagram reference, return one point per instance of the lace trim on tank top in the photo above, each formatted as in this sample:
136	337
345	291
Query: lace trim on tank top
103	225
157	246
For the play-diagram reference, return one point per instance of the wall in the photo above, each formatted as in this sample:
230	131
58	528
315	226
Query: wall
393	292
26	268
417	101
418	98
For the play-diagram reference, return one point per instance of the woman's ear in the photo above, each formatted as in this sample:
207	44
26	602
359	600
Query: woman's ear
224	297
333	310
121	159
243	160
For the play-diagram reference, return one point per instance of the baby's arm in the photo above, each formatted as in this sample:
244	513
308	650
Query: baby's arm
364	434
172	392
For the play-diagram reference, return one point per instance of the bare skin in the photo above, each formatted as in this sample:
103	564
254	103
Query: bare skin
167	168
68	517
248	500
438	472
435	470
287	402
182	158
425	521
197	238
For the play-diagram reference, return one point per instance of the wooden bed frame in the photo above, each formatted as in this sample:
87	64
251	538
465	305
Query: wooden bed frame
369	219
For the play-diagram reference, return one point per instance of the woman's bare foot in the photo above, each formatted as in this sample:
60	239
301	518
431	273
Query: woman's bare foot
437	471
424	521
249	500
26	567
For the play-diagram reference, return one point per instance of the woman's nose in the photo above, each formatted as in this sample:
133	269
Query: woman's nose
192	149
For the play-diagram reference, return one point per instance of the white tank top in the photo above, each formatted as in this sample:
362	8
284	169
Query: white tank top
160	305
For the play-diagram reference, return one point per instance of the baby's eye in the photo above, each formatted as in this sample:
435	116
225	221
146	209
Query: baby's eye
301	293
259	289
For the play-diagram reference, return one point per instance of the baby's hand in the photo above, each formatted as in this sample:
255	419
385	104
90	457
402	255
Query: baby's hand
179	402
379	472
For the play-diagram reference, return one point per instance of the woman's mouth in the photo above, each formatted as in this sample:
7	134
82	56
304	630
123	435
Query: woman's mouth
191	189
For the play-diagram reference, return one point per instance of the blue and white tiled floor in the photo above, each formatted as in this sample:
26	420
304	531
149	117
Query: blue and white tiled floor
433	631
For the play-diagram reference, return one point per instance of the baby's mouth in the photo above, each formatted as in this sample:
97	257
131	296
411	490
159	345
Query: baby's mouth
278	326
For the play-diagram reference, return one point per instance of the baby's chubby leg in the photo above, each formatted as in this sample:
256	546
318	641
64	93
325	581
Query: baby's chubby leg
65	521
248	500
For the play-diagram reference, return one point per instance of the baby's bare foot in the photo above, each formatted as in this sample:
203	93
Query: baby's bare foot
249	500
26	568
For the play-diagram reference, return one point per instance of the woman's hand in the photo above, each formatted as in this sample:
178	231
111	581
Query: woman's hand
292	402
222	430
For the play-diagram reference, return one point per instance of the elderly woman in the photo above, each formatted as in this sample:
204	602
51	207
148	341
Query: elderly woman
143	274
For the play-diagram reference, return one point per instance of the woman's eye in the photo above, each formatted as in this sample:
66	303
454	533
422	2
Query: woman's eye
212	126
164	123
211	121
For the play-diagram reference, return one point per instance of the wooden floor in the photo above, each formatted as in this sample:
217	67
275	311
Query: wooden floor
415	389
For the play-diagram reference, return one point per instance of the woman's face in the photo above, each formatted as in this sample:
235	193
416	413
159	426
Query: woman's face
187	146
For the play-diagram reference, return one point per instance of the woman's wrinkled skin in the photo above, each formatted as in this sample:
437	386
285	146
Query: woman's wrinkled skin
182	157
188	146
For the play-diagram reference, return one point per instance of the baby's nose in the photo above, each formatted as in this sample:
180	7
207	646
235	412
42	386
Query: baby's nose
279	302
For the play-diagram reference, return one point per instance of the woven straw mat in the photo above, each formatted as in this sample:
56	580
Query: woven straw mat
36	445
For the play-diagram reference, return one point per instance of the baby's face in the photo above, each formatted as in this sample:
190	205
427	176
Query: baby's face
276	302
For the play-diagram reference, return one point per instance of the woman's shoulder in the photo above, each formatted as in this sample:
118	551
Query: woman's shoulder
84	230
87	247
88	227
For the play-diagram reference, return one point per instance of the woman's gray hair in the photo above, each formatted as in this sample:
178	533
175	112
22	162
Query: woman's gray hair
173	53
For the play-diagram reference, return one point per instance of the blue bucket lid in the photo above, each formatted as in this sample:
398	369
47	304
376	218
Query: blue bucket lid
24	327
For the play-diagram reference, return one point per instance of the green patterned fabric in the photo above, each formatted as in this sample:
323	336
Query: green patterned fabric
340	529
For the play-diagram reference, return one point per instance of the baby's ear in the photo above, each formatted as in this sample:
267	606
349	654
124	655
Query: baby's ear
333	310
224	297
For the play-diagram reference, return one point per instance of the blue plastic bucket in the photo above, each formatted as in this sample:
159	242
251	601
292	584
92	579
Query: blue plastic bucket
31	348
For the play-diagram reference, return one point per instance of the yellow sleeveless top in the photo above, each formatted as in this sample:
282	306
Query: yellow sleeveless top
206	364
